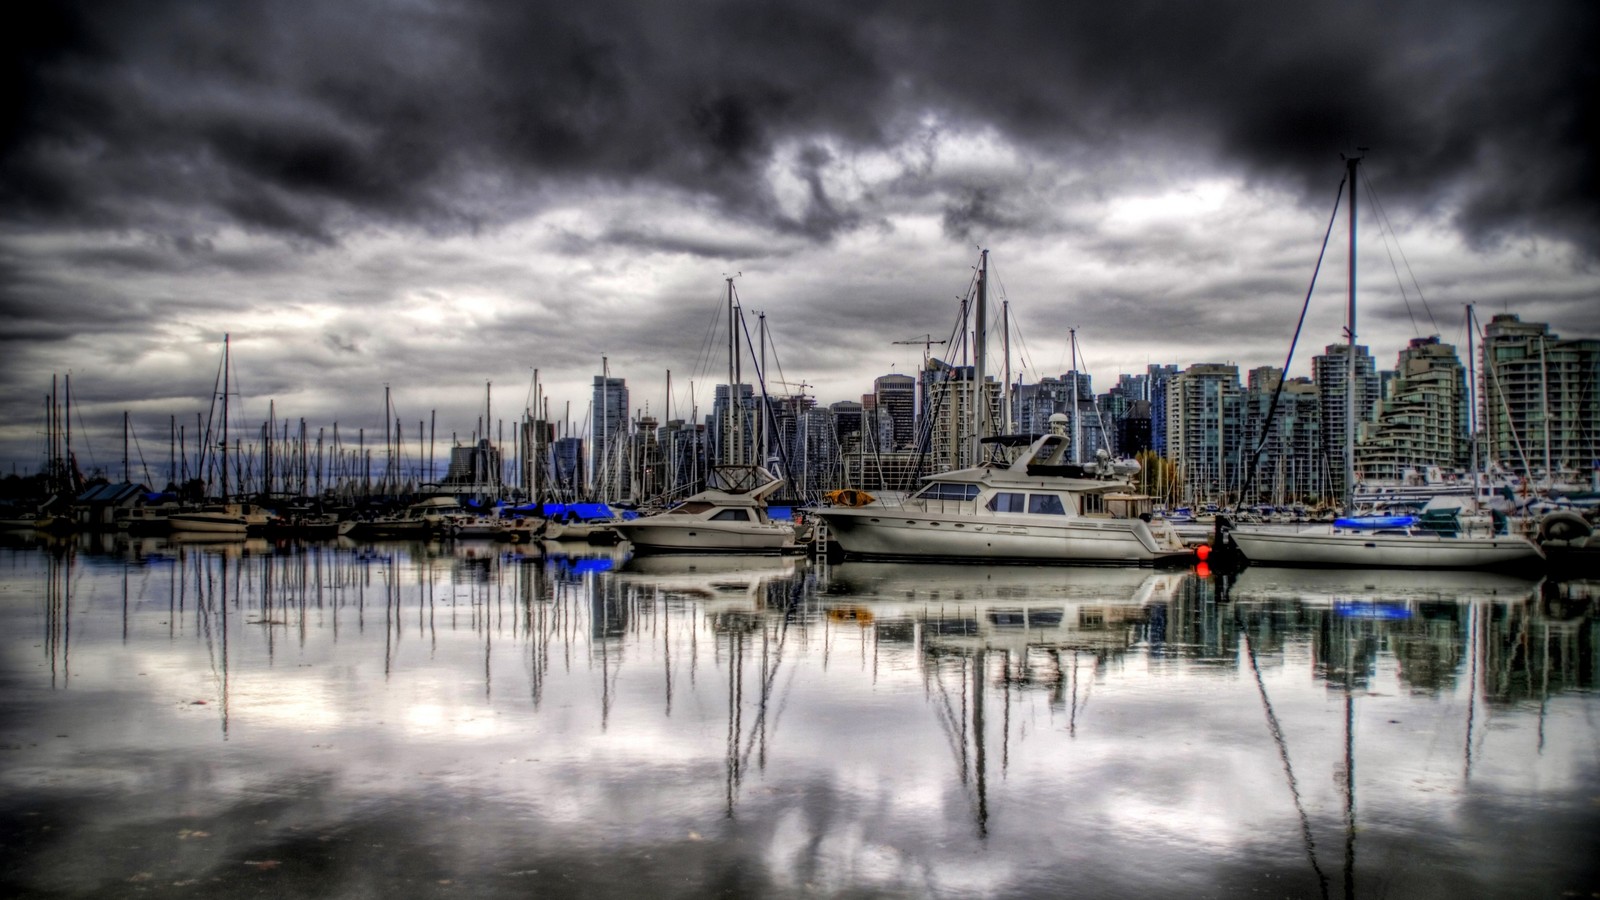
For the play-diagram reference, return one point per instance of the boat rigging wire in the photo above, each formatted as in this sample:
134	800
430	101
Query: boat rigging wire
1383	219
1277	393
1275	728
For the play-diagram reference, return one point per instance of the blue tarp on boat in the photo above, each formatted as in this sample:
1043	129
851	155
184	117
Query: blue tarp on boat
584	512
1375	521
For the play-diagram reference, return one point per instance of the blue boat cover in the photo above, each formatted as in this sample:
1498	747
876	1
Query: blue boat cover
1374	521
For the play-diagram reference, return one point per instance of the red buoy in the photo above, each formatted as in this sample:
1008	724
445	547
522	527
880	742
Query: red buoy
1203	551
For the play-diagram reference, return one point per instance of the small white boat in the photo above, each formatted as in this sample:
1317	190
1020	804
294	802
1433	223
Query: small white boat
729	516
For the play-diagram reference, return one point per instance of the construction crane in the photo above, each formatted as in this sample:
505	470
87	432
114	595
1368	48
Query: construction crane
927	343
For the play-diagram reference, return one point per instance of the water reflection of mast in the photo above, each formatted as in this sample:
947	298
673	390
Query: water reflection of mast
971	765
1349	763
1474	639
1283	754
58	614
739	627
207	605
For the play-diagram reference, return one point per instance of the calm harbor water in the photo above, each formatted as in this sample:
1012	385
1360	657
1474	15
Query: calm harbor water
481	720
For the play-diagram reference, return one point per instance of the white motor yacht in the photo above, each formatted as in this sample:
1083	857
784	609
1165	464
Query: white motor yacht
729	516
1040	508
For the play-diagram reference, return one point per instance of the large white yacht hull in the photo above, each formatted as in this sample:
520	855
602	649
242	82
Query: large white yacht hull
1328	548
886	533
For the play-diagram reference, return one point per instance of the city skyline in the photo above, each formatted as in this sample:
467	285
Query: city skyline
440	196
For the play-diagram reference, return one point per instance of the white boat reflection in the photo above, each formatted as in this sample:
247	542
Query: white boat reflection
709	577
967	608
1256	584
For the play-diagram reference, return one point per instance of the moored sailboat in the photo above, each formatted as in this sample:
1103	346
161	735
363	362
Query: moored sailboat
1449	543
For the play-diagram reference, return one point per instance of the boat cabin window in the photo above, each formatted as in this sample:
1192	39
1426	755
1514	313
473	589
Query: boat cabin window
1008	502
1046	505
942	491
732	515
690	508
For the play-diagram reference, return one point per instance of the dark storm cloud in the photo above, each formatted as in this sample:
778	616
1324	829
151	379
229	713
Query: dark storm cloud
309	120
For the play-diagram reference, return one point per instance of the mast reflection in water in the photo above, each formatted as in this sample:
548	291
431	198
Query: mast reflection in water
473	719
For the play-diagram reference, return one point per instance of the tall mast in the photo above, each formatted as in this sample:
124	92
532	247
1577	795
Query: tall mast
670	452
979	342
1350	362
1005	390
761	458
71	469
52	416
1544	404
224	443
1472	400
735	449
1074	448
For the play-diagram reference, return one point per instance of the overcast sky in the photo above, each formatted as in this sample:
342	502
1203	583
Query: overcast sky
437	195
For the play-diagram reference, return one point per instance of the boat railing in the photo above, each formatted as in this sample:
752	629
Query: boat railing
941	507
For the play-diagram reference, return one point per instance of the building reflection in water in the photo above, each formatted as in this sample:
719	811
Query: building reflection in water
982	640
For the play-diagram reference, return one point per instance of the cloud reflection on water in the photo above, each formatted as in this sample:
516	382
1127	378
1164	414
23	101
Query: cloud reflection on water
508	723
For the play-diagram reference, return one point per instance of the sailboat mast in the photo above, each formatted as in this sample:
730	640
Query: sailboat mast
1005	390
979	343
735	456
1073	447
1350	361
224	444
1472	401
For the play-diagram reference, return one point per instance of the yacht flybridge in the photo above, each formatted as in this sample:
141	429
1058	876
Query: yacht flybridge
1041	508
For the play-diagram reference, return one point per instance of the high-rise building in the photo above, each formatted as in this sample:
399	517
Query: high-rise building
1421	421
896	396
1204	434
569	461
1125	410
608	438
952	423
1288	468
1540	408
1330	372
813	454
474	468
1033	404
733	426
683	456
1156	385
847	424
